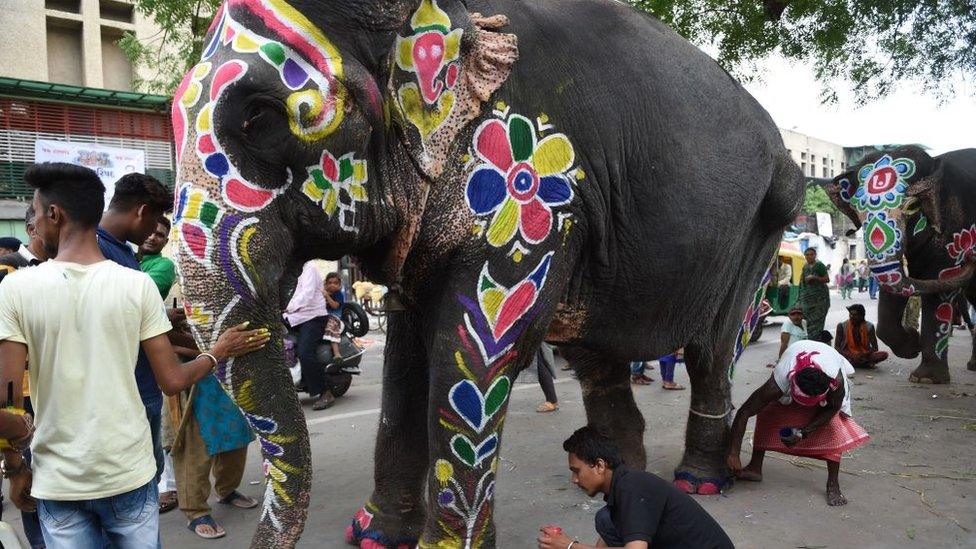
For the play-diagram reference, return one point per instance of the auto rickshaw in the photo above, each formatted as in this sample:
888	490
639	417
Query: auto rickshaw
796	259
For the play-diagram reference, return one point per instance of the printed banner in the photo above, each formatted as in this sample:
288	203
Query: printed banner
109	163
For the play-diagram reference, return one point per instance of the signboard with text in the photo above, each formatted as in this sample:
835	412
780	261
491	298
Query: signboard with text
109	163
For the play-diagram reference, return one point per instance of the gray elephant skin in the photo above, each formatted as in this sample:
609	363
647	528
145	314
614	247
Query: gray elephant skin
512	175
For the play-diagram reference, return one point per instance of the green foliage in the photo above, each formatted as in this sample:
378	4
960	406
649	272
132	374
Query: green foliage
816	200
183	24
870	44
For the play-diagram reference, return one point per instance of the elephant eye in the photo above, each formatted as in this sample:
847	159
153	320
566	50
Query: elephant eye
258	114
250	122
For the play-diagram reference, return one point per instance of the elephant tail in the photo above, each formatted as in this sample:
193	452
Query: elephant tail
784	197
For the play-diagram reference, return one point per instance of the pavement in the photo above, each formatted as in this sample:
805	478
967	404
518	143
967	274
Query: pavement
912	485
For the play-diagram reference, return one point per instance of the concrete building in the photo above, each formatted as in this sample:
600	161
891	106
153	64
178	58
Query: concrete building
64	78
817	158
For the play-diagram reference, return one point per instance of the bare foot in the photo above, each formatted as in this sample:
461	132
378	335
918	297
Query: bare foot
750	475
834	497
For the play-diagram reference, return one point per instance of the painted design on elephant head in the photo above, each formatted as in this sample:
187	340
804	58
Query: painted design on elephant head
431	50
467	506
882	237
519	178
882	184
187	95
337	185
194	219
496	319
316	105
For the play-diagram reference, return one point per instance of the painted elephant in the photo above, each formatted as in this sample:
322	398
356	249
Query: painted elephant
512	175
922	210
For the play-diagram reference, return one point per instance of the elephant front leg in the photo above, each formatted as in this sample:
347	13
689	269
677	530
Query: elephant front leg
470	387
937	313
703	469
394	515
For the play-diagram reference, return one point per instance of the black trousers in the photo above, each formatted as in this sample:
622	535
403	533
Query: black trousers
313	371
606	530
545	365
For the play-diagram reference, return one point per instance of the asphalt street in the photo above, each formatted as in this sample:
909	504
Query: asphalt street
910	486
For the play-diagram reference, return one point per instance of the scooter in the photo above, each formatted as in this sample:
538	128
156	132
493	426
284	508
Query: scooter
355	324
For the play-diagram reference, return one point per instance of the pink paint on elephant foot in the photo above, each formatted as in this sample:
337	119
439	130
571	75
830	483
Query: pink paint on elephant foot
359	533
690	484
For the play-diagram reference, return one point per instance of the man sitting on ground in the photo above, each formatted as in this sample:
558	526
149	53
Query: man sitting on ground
643	510
856	340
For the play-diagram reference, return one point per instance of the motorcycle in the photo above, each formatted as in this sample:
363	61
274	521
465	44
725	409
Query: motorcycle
355	323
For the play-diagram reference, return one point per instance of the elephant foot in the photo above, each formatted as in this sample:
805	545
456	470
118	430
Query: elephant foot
367	532
701	485
937	375
971	365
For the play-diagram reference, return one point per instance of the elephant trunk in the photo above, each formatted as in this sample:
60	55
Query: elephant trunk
232	274
896	281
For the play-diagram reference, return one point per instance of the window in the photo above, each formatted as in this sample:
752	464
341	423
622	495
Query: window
825	161
813	159
803	156
64	52
803	167
116	68
825	171
70	6
813	170
116	10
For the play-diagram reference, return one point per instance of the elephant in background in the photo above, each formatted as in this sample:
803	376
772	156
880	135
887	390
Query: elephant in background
920	209
512	175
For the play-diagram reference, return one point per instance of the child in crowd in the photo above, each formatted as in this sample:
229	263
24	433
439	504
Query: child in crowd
334	299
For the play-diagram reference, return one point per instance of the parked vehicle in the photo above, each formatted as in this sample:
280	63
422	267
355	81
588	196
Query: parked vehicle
355	324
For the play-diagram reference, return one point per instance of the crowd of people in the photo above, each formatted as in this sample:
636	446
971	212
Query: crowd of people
85	451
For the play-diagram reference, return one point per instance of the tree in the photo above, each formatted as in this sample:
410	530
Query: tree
183	25
815	200
869	44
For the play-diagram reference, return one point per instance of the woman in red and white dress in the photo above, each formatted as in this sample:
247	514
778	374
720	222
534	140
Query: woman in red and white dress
803	410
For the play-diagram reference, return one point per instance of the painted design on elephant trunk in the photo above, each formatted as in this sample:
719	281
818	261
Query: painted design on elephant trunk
878	198
519	179
453	497
337	185
431	50
943	314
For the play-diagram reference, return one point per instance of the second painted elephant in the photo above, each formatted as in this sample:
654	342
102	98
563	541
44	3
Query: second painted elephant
920	209
515	171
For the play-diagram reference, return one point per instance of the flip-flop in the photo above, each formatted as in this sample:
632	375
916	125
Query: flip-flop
167	502
205	520
674	387
546	407
239	500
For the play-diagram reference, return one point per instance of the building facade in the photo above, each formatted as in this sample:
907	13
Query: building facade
64	78
817	158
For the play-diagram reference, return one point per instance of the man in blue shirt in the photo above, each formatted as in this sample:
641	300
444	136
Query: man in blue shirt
138	203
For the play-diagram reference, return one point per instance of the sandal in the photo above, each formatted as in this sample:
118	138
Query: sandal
239	500
206	520
546	407
638	379
167	502
672	387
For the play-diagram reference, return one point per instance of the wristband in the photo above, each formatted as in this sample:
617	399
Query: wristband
572	543
212	359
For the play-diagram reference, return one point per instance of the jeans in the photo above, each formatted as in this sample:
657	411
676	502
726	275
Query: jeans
32	524
154	413
873	288
313	371
128	521
606	530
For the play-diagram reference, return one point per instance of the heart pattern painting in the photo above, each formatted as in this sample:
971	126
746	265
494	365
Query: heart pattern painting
475	408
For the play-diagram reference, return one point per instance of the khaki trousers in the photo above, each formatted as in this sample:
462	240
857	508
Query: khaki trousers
193	467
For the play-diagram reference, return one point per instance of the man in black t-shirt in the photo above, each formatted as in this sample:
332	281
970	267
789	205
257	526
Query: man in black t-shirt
643	510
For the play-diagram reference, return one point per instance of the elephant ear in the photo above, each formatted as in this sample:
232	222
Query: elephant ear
446	64
923	195
840	191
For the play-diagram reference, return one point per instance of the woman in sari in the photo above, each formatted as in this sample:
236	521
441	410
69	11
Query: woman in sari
814	296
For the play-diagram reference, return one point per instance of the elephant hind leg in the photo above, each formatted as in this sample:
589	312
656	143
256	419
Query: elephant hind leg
702	469
609	402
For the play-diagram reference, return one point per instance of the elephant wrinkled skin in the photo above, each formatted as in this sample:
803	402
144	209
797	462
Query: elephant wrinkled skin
505	170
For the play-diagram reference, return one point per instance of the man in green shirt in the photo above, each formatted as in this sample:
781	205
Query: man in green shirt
160	269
